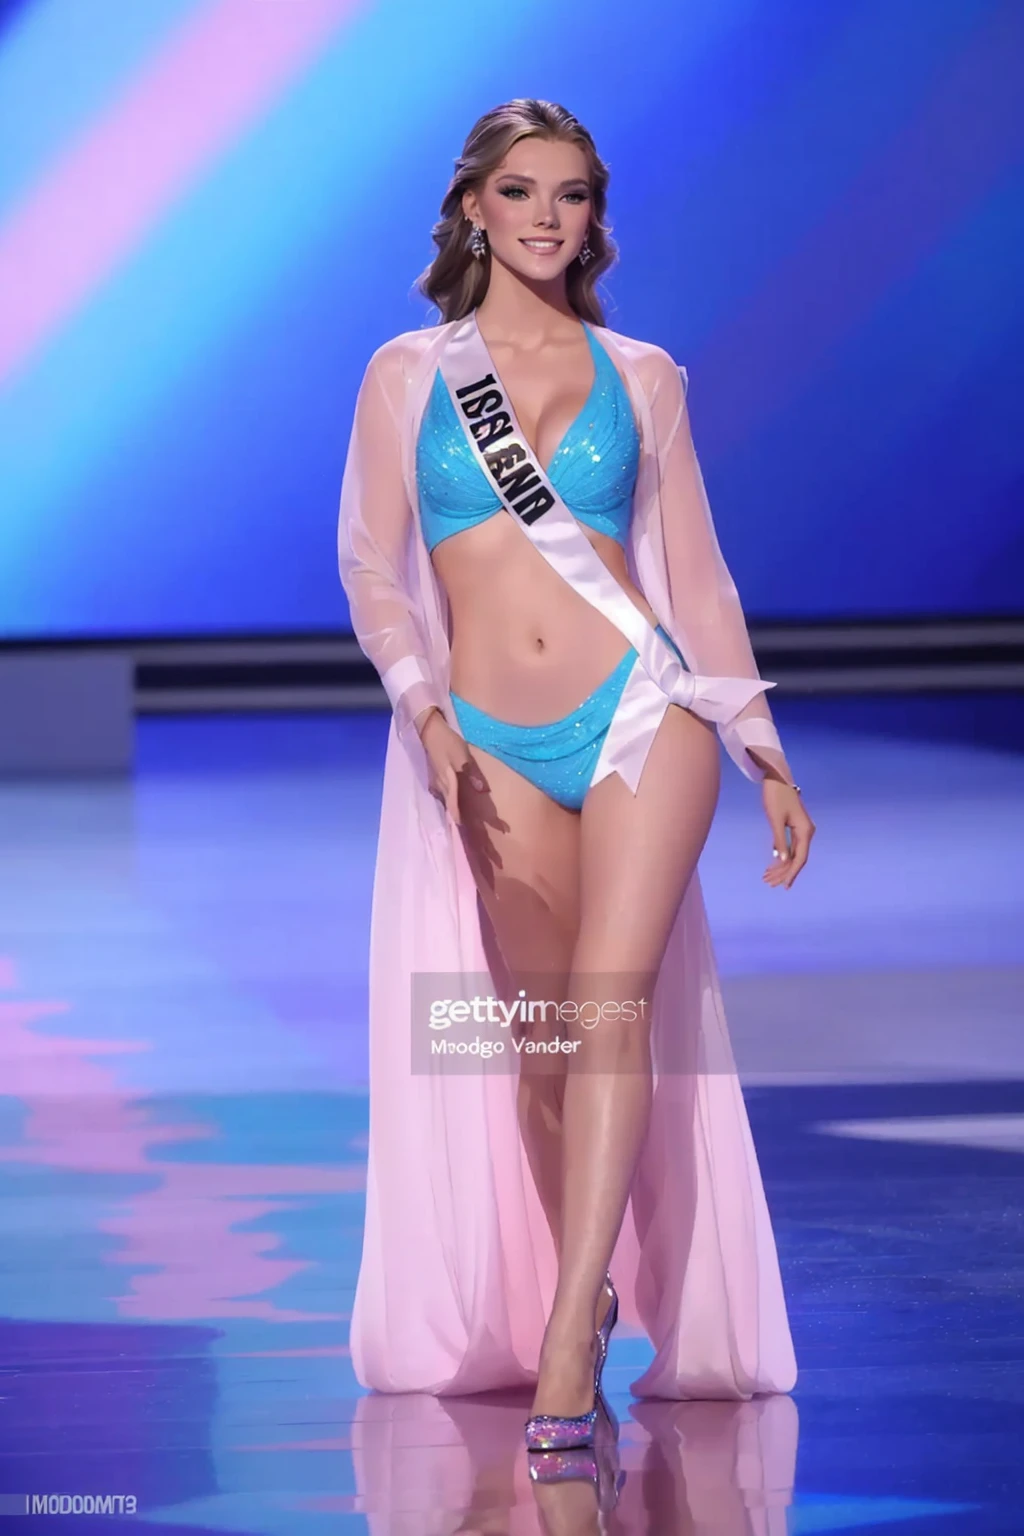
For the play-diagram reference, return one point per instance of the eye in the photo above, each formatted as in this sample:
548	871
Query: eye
511	190
578	197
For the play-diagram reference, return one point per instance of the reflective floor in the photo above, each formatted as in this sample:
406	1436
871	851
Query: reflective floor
182	1141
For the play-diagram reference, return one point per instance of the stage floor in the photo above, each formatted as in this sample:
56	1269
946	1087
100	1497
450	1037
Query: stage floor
183	1127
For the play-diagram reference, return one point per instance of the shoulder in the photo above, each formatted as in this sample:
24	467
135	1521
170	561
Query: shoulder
408	343
407	346
656	368
396	363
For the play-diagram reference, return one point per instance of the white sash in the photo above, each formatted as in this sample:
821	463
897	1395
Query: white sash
658	678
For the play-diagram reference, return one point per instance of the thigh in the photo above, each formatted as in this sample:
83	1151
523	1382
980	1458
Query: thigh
638	852
523	848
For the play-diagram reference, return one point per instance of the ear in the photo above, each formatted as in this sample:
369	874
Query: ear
471	208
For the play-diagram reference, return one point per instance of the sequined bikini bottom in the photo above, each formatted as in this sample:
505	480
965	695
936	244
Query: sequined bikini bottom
559	756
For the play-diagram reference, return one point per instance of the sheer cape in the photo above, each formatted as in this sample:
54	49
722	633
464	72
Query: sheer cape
458	1267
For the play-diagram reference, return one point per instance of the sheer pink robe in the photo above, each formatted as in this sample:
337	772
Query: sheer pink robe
458	1266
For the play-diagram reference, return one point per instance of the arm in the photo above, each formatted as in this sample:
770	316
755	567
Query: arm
375	532
712	628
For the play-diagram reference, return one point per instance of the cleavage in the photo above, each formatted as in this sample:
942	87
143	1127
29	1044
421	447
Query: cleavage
547	460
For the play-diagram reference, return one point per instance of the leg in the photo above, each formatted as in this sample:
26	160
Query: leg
637	855
523	849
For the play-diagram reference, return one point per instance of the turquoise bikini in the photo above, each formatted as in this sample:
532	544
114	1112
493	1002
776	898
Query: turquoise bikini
594	471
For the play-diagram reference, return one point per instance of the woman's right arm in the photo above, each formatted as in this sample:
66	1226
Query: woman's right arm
375	537
374	546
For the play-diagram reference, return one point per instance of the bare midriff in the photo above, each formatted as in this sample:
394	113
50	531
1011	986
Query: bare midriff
525	646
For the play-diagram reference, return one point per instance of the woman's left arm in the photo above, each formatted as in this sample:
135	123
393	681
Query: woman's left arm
709	617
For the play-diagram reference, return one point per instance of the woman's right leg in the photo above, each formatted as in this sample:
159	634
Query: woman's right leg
523	849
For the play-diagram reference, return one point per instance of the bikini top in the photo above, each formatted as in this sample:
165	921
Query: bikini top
593	470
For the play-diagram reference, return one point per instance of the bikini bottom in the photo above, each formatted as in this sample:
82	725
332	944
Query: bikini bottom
559	756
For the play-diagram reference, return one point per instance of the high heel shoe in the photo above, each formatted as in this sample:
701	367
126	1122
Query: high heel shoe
562	1432
557	1432
597	1464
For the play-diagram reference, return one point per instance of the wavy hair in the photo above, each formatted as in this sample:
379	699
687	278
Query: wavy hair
456	280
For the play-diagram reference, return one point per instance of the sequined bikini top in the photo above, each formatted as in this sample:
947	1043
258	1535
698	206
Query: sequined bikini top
593	470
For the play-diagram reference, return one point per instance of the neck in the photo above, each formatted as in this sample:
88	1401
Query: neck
528	313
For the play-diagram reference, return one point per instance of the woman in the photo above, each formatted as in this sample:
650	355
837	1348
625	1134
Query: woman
531	566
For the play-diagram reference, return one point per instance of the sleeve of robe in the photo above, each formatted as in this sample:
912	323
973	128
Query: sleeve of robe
375	544
713	632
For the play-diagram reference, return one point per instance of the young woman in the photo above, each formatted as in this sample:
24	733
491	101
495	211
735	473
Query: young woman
531	566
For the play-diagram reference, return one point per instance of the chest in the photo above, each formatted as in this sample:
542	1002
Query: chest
549	391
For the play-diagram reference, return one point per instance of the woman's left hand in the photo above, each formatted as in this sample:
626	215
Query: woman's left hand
792	830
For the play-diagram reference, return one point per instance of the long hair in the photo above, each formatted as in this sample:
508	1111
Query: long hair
456	280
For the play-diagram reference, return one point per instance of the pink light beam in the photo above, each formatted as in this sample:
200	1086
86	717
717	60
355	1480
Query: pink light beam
218	72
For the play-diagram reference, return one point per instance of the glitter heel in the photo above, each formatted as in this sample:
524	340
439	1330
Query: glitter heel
596	1464
604	1334
556	1432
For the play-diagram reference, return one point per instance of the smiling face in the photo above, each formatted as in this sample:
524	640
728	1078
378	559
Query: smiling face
535	207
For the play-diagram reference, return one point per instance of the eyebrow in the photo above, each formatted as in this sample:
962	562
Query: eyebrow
573	181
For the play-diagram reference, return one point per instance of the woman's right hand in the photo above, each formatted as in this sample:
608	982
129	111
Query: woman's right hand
448	757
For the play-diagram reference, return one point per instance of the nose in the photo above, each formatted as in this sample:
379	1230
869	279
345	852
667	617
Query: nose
547	218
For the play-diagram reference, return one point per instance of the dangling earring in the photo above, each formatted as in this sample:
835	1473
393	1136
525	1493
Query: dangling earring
585	252
478	242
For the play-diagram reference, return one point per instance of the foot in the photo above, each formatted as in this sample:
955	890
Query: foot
565	1380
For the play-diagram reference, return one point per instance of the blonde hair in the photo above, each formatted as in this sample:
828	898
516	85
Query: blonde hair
456	280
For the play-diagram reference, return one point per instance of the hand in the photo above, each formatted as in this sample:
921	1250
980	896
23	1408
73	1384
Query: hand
786	814
448	759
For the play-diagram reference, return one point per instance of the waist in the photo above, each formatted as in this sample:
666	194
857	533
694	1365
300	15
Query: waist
628	656
518	626
534	683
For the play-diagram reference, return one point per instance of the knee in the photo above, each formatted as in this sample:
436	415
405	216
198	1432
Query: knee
613	1025
621	961
612	979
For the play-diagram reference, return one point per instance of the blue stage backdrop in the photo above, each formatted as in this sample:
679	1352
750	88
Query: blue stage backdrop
212	211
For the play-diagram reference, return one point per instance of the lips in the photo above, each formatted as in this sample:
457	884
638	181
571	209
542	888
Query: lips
542	247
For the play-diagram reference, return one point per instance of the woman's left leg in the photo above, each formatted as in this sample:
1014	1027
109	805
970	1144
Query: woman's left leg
637	856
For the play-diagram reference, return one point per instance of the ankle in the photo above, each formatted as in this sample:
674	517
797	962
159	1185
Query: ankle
580	1302
571	1328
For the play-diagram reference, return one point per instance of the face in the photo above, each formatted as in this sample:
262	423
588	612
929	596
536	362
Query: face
535	207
